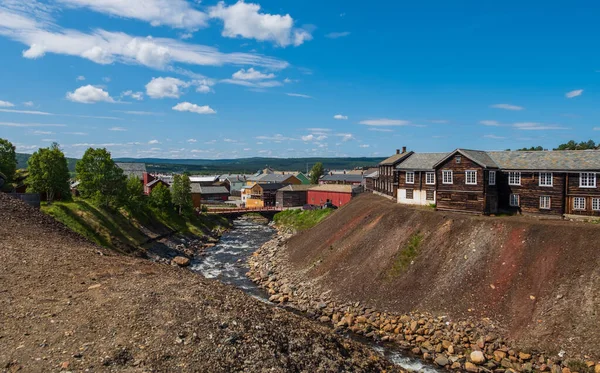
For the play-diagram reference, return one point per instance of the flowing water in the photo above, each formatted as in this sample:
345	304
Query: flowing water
227	262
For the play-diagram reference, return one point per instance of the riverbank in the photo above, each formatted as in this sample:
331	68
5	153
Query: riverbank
470	344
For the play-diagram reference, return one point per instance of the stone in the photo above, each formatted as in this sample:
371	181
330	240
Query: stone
361	320
441	360
324	319
566	370
470	367
413	326
499	355
477	357
597	368
455	366
451	349
181	261
527	367
446	344
524	356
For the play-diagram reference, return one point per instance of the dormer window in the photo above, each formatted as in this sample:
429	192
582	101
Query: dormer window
458	159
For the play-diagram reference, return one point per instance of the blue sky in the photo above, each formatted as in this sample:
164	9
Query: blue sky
191	79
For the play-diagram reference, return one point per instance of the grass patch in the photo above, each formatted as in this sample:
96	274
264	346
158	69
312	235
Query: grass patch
299	219
405	256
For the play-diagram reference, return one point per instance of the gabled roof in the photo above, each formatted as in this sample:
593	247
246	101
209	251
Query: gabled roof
198	188
343	177
156	181
272	178
421	161
340	188
394	159
557	160
296	188
204	179
372	175
130	168
478	156
270	186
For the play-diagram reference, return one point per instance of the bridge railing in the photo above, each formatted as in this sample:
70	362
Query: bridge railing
244	210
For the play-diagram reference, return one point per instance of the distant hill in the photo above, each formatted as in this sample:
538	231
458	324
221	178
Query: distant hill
242	165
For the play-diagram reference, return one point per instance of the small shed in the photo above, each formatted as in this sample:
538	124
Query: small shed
337	194
293	195
208	193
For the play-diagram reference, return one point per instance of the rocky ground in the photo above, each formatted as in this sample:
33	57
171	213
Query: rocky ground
69	305
472	345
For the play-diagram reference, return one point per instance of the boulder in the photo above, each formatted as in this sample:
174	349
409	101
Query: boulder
477	357
181	261
441	360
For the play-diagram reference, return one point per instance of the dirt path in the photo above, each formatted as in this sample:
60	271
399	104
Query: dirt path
66	304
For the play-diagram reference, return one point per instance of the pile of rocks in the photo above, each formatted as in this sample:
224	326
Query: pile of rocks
473	346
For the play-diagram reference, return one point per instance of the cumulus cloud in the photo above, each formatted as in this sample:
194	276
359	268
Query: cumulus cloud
507	107
251	74
193	108
165	87
574	93
254	84
245	20
340	117
336	35
191	141
314	137
153	142
6	104
135	95
385	122
89	94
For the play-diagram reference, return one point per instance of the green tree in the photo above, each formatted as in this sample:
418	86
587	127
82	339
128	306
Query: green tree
100	178
182	193
572	145
533	148
8	160
49	173
316	172
160	197
134	193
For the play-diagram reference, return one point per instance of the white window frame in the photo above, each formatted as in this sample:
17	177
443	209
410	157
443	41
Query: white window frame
579	206
458	159
470	172
514	178
543	205
544	178
429	181
492	178
595	204
511	203
446	173
590	180
412	179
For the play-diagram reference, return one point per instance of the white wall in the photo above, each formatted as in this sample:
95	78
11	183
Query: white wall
420	197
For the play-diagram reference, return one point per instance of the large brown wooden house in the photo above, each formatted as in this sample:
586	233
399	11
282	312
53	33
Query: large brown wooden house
387	182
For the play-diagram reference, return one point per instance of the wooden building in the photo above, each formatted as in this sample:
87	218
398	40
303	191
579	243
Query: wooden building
336	194
208	194
386	182
416	178
263	195
293	195
466	181
370	179
342	179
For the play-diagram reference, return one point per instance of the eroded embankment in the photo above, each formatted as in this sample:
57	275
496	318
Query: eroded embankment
537	280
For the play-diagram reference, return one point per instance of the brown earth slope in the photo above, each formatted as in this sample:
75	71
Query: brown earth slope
66	304
539	279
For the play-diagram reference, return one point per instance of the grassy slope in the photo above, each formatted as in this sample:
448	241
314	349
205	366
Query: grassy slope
122	230
300	220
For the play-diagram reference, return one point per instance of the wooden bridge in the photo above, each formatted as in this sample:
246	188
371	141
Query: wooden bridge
240	210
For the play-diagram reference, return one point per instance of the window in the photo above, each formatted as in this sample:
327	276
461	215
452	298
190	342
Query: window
596	204
458	159
545	202
546	179
430	195
471	177
472	197
430	178
492	177
410	178
579	203
410	194
447	177
514	178
587	180
515	200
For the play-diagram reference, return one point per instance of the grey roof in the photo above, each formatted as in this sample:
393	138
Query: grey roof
155	181
478	156
352	178
558	160
198	188
271	186
272	178
296	188
136	169
394	159
372	175
421	161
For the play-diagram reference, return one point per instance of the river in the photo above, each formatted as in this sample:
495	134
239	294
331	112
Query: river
228	262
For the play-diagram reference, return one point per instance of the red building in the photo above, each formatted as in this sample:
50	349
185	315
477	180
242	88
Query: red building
339	195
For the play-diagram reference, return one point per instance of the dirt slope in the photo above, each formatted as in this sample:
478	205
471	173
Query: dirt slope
67	304
539	279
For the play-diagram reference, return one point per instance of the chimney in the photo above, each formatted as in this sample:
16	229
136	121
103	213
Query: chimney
403	149
397	151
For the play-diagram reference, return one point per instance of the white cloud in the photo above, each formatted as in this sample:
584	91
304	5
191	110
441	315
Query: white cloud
135	95
230	140
13	124
40	33
507	107
336	35
364	146
438	121
495	137
24	112
28	103
243	19
38	132
117	129
6	104
191	141
89	95
490	123
76	133
574	93
345	136
277	137
385	122
245	83
193	108
380	130
340	117
203	88
165	87
251	74
531	126
314	137
174	13
596	128
298	95
80	78
153	142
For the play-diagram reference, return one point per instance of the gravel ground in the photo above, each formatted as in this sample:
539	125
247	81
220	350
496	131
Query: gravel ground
68	305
